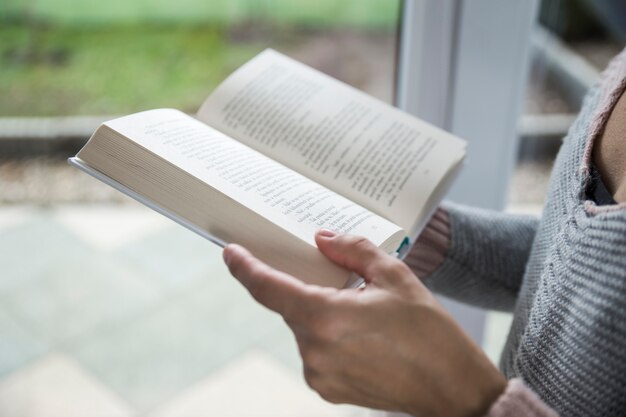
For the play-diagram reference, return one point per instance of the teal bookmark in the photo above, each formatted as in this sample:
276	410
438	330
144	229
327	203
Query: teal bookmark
403	248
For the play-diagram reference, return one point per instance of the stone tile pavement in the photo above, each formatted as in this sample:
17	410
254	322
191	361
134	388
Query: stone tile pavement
114	311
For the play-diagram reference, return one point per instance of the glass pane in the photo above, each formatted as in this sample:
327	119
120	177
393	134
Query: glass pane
106	305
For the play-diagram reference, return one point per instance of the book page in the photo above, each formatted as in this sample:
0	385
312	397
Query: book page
366	150
288	199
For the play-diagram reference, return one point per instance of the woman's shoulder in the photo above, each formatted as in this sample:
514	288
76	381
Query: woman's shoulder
597	136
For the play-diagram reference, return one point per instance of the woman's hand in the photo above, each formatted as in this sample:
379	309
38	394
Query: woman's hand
387	346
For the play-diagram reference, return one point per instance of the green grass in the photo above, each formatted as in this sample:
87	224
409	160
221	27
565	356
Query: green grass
112	70
63	57
318	13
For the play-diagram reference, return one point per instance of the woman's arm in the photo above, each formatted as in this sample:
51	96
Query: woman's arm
473	255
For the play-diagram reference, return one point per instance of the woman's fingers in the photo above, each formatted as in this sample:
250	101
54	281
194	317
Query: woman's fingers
361	256
276	290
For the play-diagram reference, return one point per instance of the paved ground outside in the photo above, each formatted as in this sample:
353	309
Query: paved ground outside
120	312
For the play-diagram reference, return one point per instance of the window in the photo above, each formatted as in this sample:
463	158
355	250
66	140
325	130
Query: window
105	305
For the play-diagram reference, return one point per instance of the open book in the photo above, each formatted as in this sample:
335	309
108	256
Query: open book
278	151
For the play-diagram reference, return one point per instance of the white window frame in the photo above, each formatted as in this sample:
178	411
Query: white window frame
463	66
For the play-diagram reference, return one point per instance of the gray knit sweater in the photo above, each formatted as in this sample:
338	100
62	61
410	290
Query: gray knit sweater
563	276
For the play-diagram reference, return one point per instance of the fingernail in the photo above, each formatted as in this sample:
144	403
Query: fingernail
226	256
326	233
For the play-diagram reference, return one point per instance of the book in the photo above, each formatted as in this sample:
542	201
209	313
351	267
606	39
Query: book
277	151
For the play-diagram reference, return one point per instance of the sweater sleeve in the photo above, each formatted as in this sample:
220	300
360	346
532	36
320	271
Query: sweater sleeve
486	257
519	401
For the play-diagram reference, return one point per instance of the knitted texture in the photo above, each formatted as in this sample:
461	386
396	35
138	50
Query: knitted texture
431	248
479	266
564	276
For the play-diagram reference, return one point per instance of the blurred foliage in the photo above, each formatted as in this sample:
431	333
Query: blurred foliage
316	13
112	69
60	57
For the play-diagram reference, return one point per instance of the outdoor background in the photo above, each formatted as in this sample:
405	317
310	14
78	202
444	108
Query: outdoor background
108	309
65	57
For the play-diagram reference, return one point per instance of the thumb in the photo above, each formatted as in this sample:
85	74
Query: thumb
361	256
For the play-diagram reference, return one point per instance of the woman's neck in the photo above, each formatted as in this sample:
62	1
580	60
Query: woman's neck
609	153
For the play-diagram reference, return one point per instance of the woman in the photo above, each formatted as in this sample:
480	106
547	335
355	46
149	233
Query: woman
391	346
